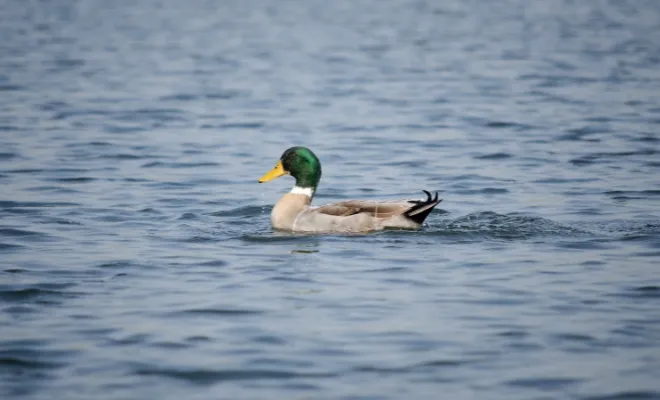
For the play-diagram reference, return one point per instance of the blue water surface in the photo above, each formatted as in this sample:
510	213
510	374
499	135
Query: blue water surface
137	259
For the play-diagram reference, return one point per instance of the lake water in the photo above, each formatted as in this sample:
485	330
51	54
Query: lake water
137	257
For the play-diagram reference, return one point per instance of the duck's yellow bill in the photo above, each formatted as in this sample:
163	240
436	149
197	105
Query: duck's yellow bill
273	173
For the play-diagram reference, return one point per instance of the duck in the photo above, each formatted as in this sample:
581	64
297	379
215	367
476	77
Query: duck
294	211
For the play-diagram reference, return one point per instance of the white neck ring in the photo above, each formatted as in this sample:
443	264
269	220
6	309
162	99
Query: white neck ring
308	191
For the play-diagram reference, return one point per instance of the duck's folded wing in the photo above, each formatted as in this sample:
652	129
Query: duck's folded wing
376	209
416	210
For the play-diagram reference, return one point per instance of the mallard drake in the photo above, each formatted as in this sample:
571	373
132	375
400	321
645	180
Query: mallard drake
293	212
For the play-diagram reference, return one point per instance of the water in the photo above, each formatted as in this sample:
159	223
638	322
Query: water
137	256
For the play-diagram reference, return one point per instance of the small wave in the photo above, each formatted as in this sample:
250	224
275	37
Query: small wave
632	194
609	157
471	178
200	239
160	164
23	362
488	190
150	210
422	127
544	383
247	211
494	156
580	134
269	339
497	124
64	115
153	114
198	339
240	125
626	395
26	361
94	143
9	246
126	156
594	244
641	292
52	105
214	263
52	189
116	264
422	366
31	294
64	63
188	216
229	312
10	88
153	164
180	97
6	156
221	95
122	128
225	94
574	337
60	221
12	232
182	165
212	376
565	180
36	204
25	171
646	139
172	185
626	228
78	179
506	124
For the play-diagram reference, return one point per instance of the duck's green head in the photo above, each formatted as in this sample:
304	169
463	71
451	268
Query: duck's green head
300	163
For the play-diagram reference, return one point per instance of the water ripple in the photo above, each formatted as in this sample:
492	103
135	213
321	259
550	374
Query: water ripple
219	312
208	377
509	226
138	260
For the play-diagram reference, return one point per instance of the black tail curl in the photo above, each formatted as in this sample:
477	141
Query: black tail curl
422	208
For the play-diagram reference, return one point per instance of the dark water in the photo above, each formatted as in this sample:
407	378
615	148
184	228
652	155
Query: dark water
137	256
